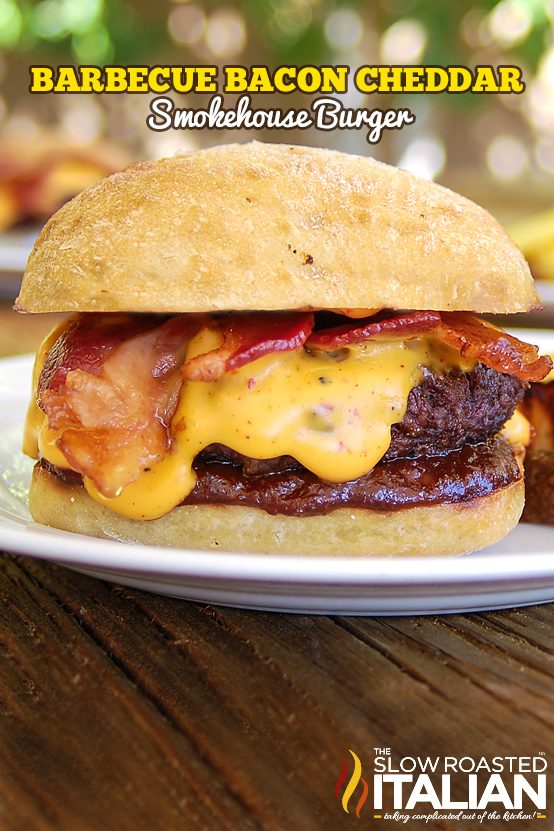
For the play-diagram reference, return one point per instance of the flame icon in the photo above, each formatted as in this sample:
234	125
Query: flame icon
353	782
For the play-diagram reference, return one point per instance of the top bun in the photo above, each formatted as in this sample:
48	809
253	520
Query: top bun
269	226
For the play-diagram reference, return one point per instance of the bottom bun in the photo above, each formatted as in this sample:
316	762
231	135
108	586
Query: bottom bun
436	530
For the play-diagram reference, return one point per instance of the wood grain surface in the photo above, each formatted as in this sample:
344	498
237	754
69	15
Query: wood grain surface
122	710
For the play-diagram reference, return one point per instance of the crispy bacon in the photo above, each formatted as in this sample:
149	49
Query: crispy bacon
246	338
114	401
87	342
403	326
110	383
470	336
475	338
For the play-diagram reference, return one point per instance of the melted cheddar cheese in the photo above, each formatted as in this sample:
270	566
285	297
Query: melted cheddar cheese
35	423
330	411
517	430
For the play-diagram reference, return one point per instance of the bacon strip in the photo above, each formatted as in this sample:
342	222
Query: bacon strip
87	342
403	326
110	383
475	338
470	336
114	403
246	338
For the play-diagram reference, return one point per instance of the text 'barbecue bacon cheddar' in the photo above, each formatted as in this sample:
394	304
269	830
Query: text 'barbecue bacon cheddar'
276	349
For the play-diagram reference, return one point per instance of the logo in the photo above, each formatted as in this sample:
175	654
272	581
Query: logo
506	788
353	783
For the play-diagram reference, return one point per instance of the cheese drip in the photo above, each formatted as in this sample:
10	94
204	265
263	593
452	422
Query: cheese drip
330	411
35	423
517	430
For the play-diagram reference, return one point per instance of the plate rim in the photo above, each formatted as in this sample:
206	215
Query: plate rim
58	546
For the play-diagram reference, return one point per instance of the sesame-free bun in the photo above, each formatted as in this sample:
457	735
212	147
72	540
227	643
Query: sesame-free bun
438	530
268	226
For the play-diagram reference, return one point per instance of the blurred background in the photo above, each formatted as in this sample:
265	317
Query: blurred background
497	149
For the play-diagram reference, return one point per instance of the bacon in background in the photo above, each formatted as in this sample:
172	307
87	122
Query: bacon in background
39	173
538	408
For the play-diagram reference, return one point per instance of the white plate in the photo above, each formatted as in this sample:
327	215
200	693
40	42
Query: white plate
515	572
15	247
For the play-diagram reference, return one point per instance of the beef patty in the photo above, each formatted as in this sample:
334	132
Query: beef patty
455	478
443	451
444	413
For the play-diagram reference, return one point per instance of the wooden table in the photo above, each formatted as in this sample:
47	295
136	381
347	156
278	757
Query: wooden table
126	711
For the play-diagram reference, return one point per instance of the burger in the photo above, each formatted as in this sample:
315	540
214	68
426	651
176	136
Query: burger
277	349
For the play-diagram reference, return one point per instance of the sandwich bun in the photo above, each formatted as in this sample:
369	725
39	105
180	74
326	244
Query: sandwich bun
254	227
436	530
272	227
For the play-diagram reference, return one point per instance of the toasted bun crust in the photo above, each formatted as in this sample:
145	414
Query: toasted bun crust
261	226
448	529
